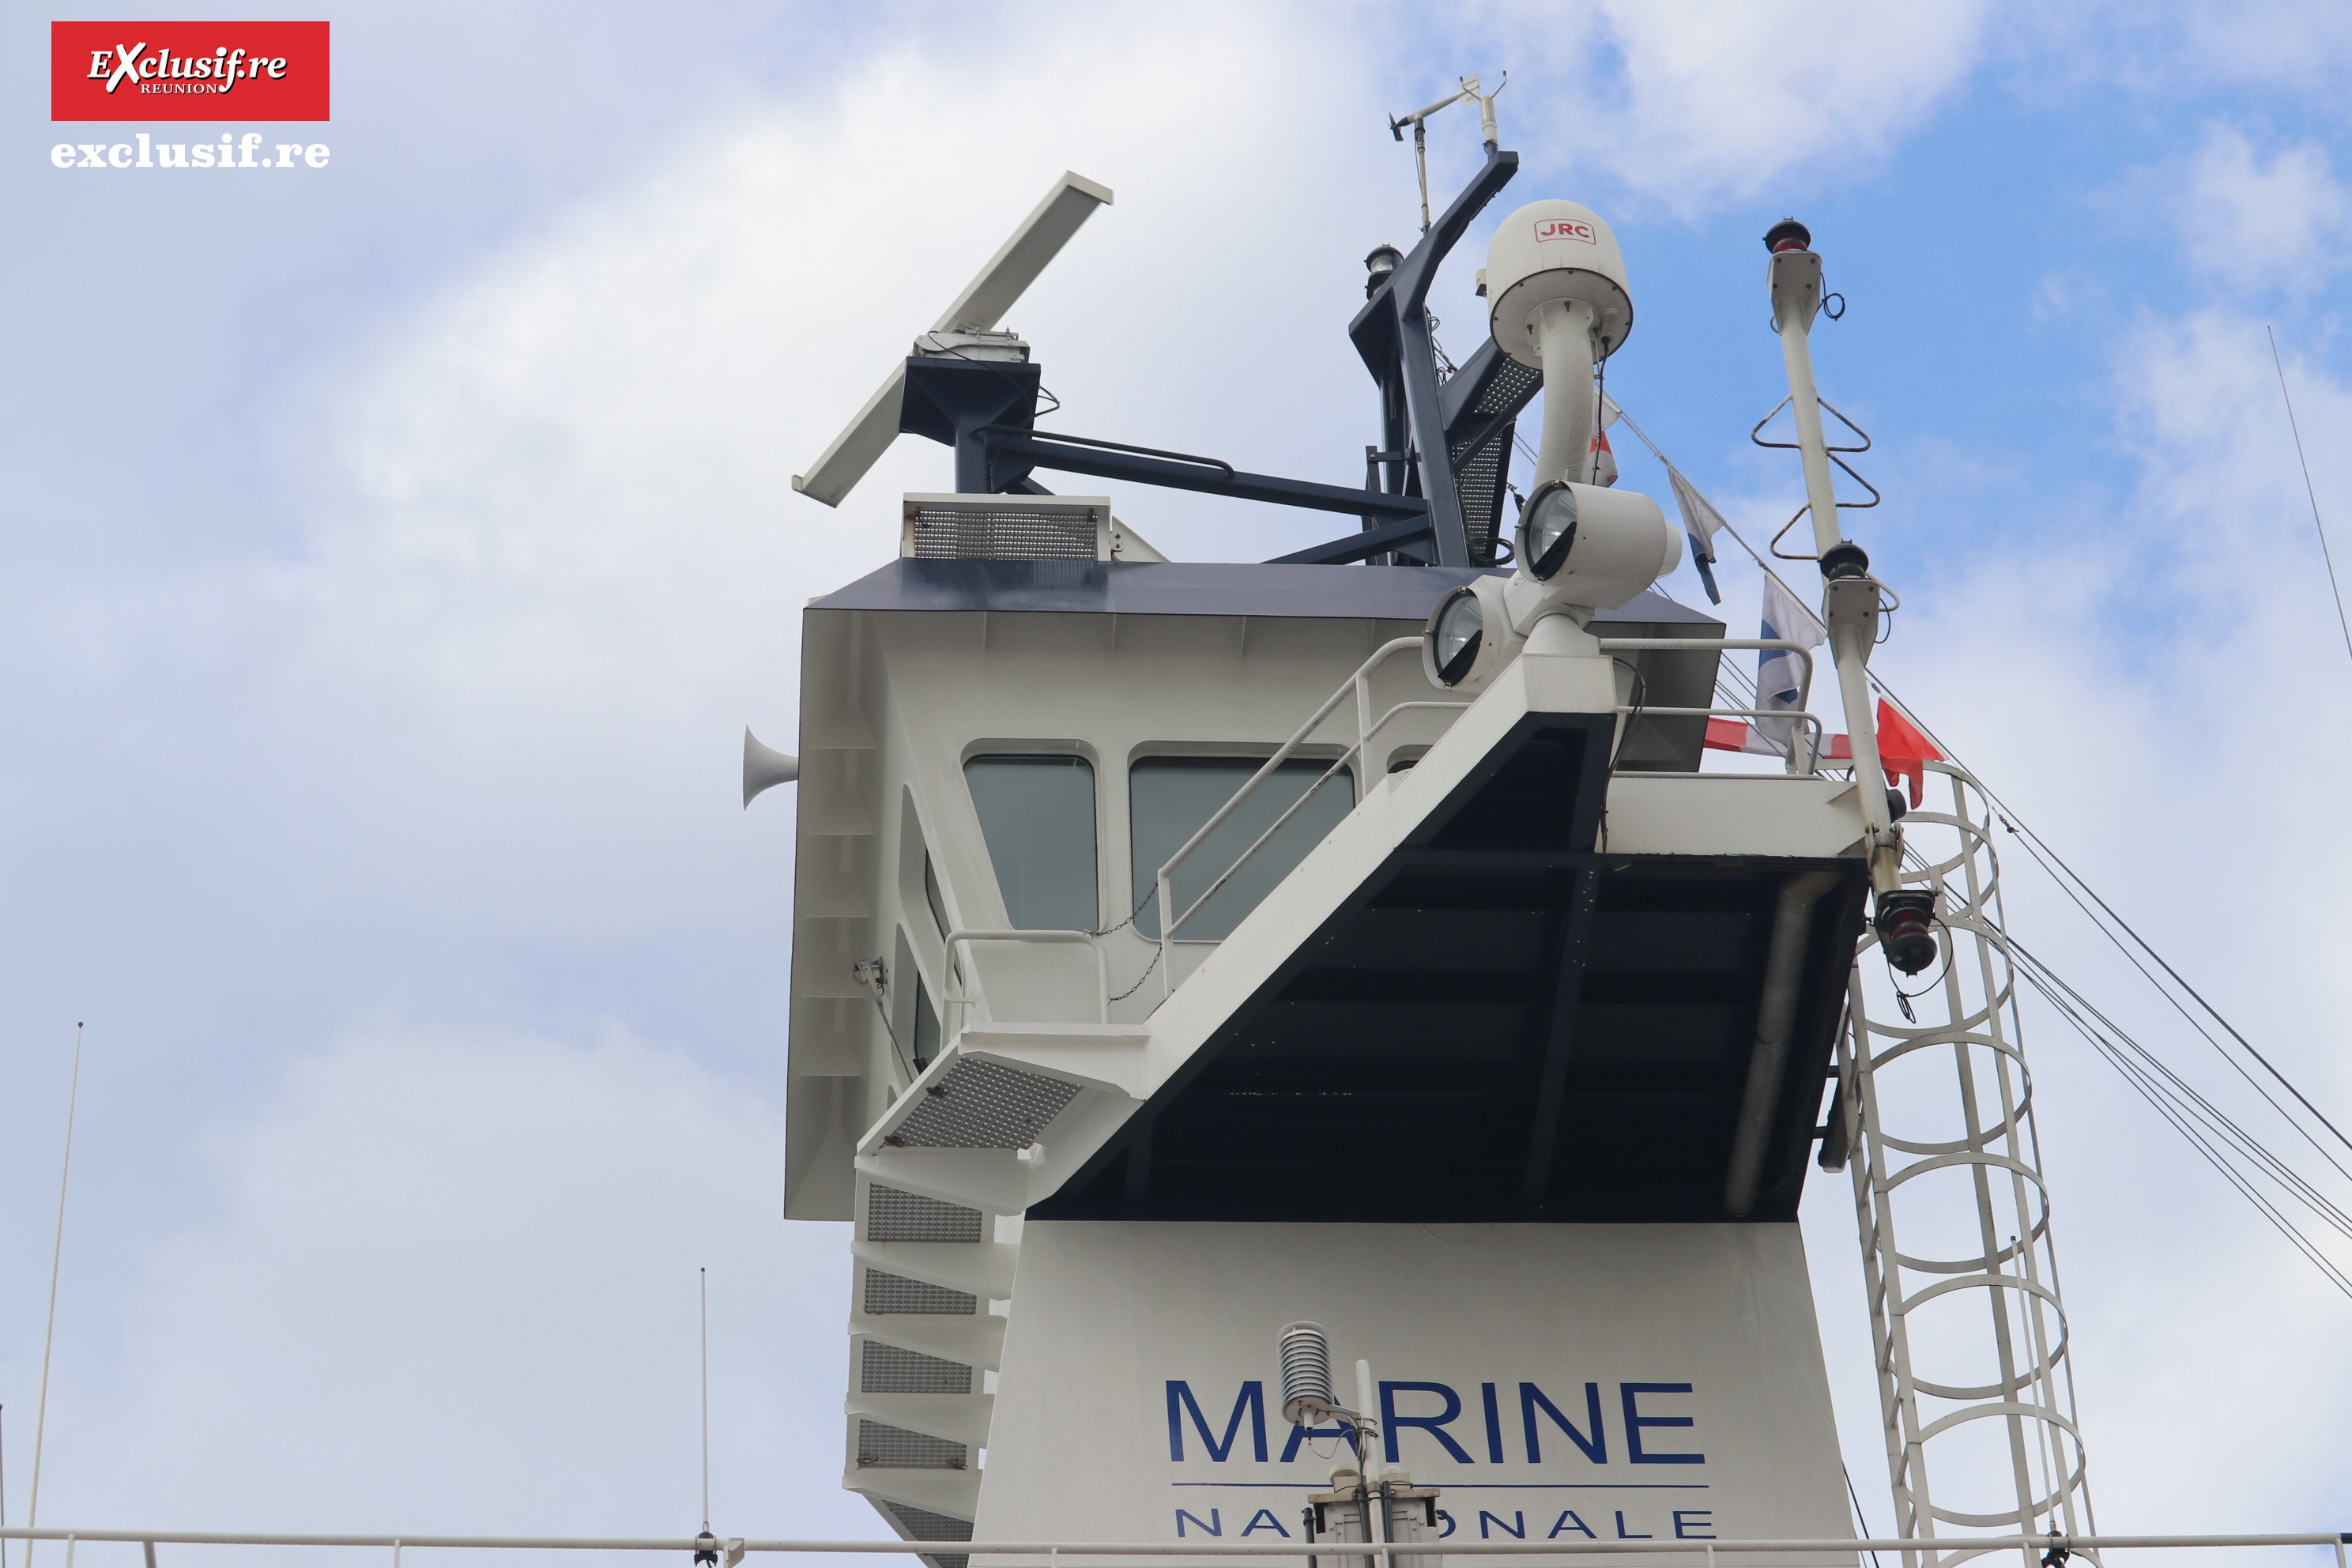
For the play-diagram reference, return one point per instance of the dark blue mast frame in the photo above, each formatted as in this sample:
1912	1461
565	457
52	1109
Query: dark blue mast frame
1413	512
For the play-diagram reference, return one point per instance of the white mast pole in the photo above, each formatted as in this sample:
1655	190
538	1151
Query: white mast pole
704	1276
50	1334
1851	616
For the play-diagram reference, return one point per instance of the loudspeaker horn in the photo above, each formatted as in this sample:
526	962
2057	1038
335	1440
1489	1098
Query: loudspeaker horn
764	767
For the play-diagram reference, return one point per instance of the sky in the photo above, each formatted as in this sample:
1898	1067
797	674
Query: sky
394	552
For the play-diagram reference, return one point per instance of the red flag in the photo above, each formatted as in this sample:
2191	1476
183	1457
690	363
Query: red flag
1903	751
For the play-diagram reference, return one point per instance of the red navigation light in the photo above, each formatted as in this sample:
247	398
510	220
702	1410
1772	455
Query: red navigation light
1788	235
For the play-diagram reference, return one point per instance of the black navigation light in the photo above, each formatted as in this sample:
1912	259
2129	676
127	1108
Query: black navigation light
1547	530
1456	630
1904	923
1788	235
1383	260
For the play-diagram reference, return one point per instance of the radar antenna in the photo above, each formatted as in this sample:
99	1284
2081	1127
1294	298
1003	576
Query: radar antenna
1466	93
977	309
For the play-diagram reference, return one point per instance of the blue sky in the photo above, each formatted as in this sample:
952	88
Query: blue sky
395	550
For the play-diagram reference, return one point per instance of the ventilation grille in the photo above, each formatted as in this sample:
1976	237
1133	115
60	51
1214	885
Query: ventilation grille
881	1447
894	1215
922	1524
897	1293
948	533
984	1105
887	1368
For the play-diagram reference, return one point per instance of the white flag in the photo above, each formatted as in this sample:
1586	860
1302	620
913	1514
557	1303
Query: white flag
1700	520
1781	674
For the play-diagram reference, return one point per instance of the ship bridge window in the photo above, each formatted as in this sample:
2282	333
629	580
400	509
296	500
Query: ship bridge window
934	897
1037	816
1169	799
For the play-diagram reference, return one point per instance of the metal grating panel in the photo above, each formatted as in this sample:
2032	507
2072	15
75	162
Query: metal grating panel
882	1447
1004	534
1479	482
897	1293
1513	383
894	1215
922	1524
887	1368
984	1105
1479	476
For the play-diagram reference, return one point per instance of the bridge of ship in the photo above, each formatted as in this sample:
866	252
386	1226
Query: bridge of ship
1518	979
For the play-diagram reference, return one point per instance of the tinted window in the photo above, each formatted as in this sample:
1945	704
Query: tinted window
931	896
1037	815
926	1026
1170	797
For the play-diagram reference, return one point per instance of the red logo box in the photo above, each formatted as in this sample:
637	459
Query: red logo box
188	70
1564	228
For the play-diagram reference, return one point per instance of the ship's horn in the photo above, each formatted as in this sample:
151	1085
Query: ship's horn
764	767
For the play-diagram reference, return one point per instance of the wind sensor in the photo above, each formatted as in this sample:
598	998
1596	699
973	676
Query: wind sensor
1466	93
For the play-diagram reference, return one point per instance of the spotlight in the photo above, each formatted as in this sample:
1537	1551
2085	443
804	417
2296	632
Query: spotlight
1455	632
1469	637
1584	547
1548	529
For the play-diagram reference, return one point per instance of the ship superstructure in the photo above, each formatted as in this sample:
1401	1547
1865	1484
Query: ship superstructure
1182	951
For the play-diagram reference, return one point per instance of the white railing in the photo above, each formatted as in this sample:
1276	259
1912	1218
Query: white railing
1360	686
970	976
1722	645
733	1549
1808	758
1801	759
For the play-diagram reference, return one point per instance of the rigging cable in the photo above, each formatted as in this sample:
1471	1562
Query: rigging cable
2017	825
2181	1122
2190	1101
2321	527
2063	887
2182	1108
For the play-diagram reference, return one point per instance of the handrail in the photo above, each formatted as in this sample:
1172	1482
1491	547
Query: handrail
1931	1546
1803	653
1102	964
1811	755
1356	684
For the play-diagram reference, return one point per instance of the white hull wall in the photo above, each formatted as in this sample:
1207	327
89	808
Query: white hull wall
1111	1316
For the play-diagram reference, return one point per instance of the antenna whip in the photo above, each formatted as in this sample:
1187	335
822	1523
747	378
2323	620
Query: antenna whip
50	1334
2308	490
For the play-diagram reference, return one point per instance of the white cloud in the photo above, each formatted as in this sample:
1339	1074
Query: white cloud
1704	102
486	704
2290	44
449	1284
2254	221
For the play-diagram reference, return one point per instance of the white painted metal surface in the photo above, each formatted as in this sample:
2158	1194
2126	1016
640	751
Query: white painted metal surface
1956	1243
1849	607
1140	1397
